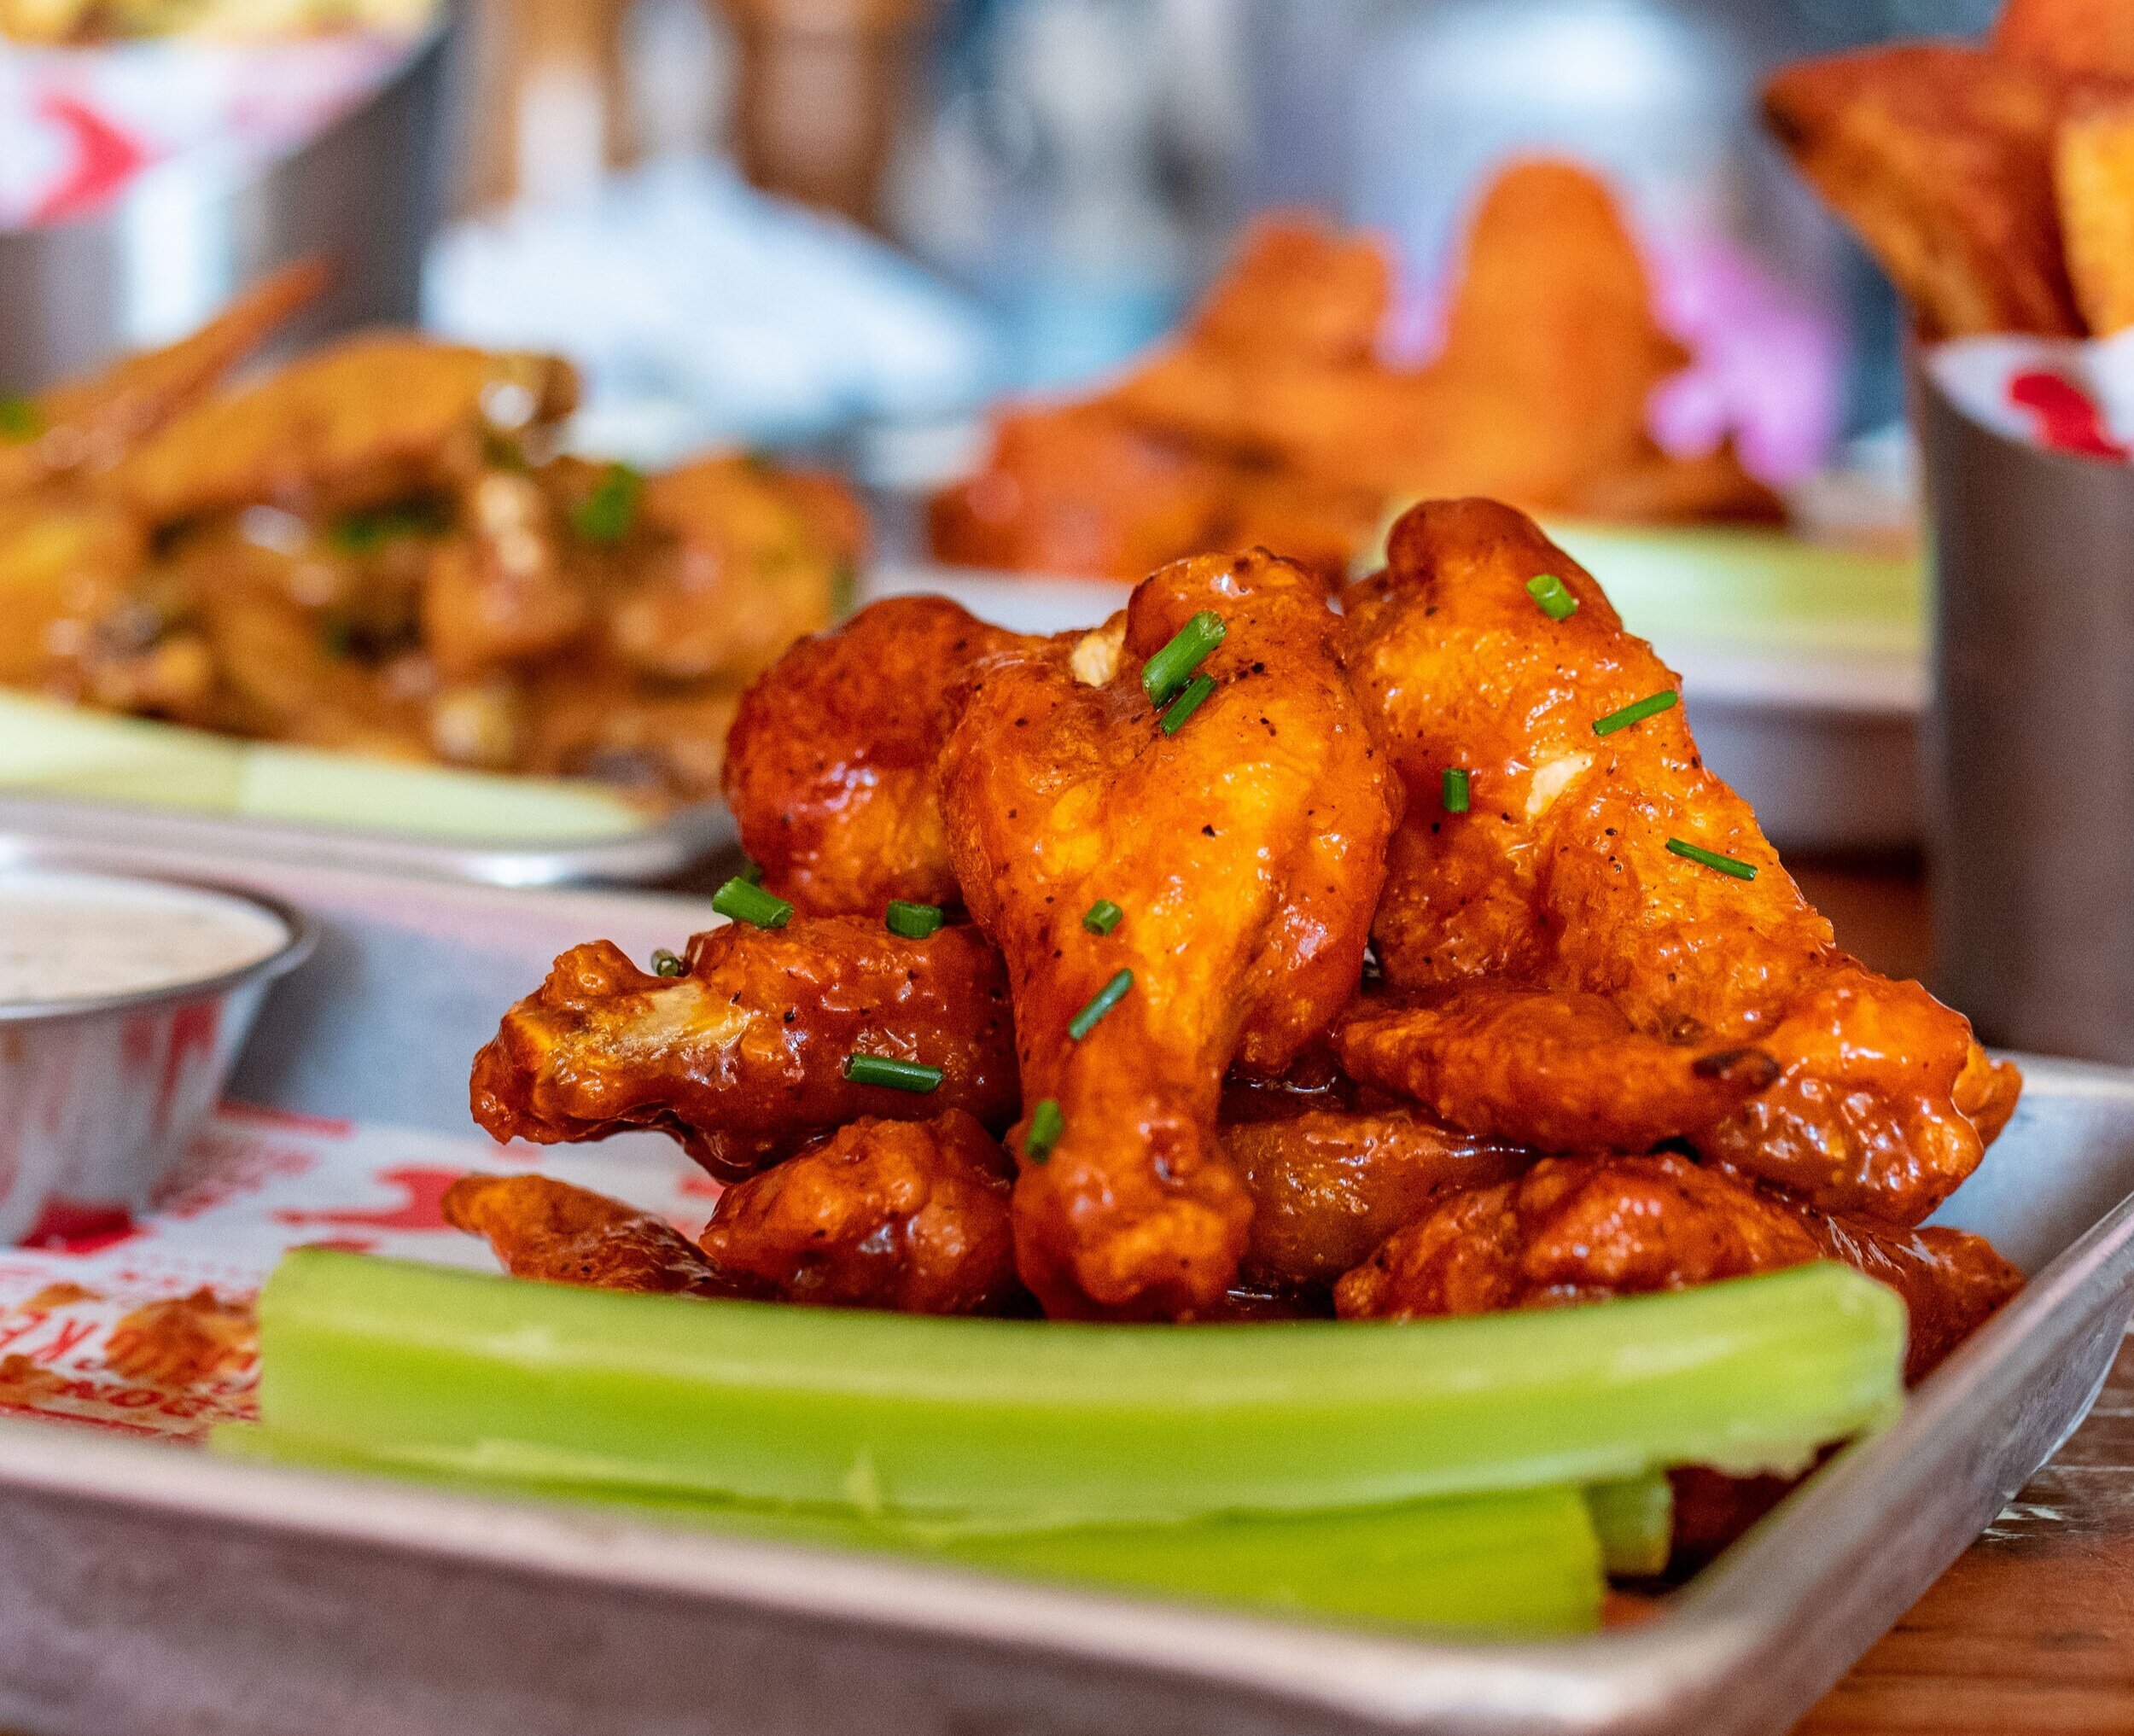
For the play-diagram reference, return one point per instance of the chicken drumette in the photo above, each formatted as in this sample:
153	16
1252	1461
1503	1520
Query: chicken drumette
1243	843
1602	952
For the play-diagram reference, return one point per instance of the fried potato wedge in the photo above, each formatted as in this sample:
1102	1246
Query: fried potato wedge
2093	179
1939	155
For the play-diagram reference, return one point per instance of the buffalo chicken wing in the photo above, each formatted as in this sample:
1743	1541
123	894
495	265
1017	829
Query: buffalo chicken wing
1601	950
743	1057
1243	843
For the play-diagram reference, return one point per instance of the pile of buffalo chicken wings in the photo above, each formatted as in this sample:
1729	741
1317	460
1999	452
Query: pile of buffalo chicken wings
1260	953
379	547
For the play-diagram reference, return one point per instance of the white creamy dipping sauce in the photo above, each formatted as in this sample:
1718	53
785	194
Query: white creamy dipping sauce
73	937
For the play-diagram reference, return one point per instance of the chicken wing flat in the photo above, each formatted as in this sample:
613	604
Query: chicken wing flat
1089	489
370	420
831	767
742	1056
1547	945
1584	1229
1939	155
84	426
1329	1187
1078	488
1299	289
1556	1070
906	1215
547	1229
1242	841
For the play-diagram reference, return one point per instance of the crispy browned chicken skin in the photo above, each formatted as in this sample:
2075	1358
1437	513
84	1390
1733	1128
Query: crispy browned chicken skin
1584	1229
543	1229
1246	851
1560	976
1329	1187
907	1215
743	1058
831	767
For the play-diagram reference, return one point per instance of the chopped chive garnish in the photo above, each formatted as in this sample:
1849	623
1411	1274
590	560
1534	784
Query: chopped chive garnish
912	920
1187	703
1047	1124
366	530
1102	916
1712	858
751	904
1165	673
606	514
1104	1000
1455	790
1552	597
18	420
1650	706
752	872
667	964
898	1075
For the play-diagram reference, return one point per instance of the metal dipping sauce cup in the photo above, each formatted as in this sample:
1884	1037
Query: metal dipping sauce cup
100	1096
2030	747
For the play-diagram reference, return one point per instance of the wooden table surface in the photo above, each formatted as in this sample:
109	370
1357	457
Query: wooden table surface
2032	1631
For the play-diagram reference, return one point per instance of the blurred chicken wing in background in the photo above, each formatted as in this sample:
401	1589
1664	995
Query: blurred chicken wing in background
1274	417
377	548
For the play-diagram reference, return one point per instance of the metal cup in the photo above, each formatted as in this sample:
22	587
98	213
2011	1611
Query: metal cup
366	194
2030	747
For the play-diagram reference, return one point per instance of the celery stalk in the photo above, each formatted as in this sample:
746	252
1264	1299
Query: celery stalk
1039	1424
1635	1520
1524	1562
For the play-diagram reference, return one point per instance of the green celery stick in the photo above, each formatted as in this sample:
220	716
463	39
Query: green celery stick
1047	1423
1527	1562
1635	1520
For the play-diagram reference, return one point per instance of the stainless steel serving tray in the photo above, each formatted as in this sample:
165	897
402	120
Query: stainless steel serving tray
661	849
147	1588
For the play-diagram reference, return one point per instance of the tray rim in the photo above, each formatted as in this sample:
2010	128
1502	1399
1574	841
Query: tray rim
665	846
1615	1679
